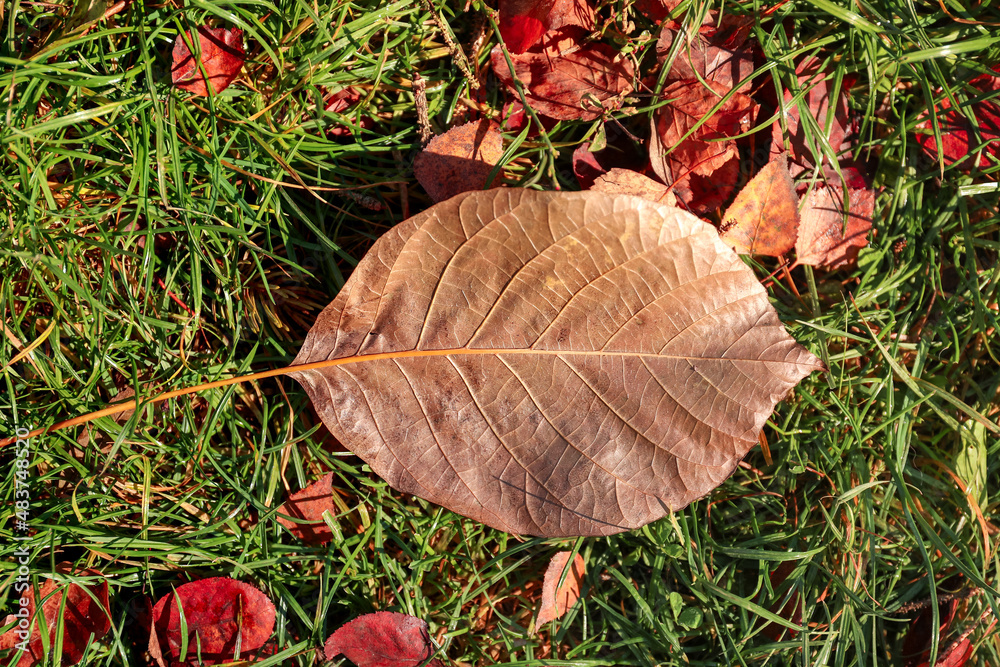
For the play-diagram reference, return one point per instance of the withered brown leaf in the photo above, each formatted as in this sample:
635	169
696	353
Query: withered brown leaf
459	160
628	182
566	79
551	363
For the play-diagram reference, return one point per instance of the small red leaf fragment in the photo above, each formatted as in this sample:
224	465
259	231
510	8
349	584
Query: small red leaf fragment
309	505
459	160
383	639
565	80
628	182
222	55
219	612
764	218
523	22
586	168
87	612
822	239
556	599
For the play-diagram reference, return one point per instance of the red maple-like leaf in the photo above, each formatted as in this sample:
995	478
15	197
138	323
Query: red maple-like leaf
308	506
566	80
383	639
219	614
829	113
523	22
87	613
222	56
717	51
959	134
700	163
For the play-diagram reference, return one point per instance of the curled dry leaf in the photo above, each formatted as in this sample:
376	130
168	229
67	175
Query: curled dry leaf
713	52
690	162
308	506
523	22
565	79
764	218
86	615
219	613
459	160
383	639
556	599
627	182
831	116
822	239
551	363
222	56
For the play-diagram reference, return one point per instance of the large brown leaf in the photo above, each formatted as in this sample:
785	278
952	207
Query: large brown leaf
551	363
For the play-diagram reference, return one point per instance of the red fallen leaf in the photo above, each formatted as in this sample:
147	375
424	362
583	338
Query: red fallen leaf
459	160
692	163
714	52
822	240
791	610
219	612
628	182
221	54
383	639
87	612
833	117
656	10
342	100
523	22
586	168
764	218
514	119
957	136
917	642
309	505
556	599
955	656
566	80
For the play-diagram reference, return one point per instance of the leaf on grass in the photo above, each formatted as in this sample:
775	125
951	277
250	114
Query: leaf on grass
219	612
341	101
822	239
627	182
222	56
690	162
566	80
959	134
764	218
523	22
551	363
308	505
713	52
383	639
805	147
790	610
86	615
459	160
556	599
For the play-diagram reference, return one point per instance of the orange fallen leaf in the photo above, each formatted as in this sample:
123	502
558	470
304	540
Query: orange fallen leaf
308	505
822	239
556	599
764	218
566	80
523	22
628	182
459	160
222	56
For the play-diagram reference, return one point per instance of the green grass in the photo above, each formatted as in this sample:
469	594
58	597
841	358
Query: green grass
152	241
